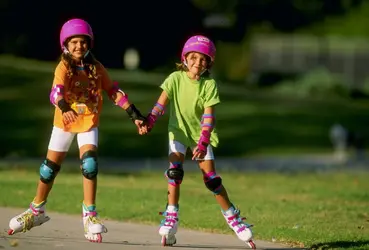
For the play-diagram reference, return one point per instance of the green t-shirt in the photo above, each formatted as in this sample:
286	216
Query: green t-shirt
187	101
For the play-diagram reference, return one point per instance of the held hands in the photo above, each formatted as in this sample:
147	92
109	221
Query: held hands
138	119
148	125
151	118
201	149
141	127
141	123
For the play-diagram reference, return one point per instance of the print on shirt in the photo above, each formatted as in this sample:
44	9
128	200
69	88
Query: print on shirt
84	97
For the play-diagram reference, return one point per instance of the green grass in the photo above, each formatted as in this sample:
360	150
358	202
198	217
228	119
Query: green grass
250	122
312	210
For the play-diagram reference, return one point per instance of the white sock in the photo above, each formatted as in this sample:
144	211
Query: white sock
172	208
229	212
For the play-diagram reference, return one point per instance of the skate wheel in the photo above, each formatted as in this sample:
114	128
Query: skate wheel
251	244
163	241
10	232
98	239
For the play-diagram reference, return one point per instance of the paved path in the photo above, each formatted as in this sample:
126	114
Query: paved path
64	232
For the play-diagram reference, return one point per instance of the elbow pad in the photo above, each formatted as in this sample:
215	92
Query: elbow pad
57	90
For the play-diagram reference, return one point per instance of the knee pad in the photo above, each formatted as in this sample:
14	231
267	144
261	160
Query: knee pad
175	173
89	164
213	182
48	171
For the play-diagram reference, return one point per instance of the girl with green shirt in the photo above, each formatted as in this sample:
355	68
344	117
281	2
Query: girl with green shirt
192	96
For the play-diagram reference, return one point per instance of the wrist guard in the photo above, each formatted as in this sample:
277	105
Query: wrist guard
134	113
151	119
204	141
64	106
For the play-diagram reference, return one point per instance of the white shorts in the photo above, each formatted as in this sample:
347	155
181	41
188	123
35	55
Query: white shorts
175	146
61	140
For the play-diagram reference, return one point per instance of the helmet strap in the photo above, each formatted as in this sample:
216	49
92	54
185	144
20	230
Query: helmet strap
65	50
86	54
202	72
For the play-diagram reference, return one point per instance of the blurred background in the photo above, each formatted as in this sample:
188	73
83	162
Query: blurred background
292	74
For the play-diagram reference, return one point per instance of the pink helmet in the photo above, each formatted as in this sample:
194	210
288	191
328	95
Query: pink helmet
200	44
75	27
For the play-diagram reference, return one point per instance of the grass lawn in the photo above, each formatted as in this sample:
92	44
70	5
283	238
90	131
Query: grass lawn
249	122
311	210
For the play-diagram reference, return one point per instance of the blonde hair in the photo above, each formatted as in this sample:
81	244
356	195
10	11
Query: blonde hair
182	67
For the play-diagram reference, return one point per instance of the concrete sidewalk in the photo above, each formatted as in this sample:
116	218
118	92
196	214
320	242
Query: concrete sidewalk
66	232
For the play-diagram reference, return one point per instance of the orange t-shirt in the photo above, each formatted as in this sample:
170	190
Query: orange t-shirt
84	95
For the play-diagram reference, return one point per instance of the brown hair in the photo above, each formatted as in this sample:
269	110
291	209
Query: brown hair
90	65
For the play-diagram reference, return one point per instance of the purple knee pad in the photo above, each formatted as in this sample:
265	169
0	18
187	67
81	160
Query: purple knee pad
213	182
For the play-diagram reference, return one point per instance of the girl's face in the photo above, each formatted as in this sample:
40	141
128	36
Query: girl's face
197	63
77	47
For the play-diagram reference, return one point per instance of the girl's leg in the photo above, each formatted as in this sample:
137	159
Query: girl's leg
214	183
176	161
53	161
89	168
87	143
174	174
59	144
232	215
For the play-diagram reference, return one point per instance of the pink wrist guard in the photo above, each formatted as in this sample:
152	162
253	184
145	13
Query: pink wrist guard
157	110
151	119
114	90
204	141
122	100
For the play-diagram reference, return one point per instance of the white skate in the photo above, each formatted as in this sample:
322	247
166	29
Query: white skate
92	225
32	217
242	229
168	228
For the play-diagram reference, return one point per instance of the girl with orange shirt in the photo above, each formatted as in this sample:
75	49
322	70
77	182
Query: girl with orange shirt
76	93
